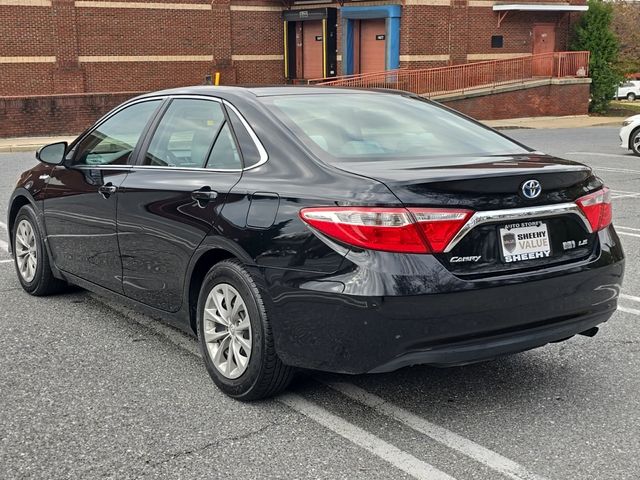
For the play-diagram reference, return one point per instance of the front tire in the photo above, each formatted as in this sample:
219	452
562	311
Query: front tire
30	256
631	96
634	141
235	335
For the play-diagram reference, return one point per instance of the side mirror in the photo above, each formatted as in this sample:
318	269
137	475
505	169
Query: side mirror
52	154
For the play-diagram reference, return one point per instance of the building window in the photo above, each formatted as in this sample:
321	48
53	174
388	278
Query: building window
497	41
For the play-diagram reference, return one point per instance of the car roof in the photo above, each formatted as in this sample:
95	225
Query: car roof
258	91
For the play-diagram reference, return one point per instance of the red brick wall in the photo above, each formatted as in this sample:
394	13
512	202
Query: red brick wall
54	114
20	38
26	31
548	100
26	78
516	28
258	33
147	76
424	30
263	72
127	31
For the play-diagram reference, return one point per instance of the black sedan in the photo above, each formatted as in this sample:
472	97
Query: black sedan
340	230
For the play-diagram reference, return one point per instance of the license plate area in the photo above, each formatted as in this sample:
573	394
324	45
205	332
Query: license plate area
520	242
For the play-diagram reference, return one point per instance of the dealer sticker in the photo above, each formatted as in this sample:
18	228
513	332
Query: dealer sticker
525	241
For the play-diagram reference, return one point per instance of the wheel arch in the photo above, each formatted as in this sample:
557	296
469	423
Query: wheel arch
206	259
18	200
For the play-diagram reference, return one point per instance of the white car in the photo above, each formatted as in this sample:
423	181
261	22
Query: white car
629	90
630	134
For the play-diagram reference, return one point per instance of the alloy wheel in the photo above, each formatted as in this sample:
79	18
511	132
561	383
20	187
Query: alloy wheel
26	251
636	143
227	330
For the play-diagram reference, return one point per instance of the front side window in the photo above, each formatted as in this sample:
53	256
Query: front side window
384	127
185	135
113	141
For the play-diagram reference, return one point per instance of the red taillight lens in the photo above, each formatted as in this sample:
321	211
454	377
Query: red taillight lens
597	208
440	225
415	230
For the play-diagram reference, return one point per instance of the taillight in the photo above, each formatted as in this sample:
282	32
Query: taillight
597	208
414	230
440	225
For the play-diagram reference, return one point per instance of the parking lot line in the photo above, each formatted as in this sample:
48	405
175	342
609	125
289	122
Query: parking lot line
624	195
629	234
625	192
628	228
3	244
391	454
621	229
402	460
633	311
629	297
440	434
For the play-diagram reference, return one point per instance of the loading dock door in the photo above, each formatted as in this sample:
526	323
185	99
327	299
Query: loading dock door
312	49
310	44
372	45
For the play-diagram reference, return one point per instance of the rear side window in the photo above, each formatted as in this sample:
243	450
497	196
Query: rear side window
248	147
224	155
113	141
185	135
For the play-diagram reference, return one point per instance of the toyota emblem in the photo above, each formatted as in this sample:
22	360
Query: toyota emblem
531	189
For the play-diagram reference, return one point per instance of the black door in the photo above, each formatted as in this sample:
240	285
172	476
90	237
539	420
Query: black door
81	197
170	202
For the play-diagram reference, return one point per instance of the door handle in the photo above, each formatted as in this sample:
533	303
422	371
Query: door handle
107	190
204	195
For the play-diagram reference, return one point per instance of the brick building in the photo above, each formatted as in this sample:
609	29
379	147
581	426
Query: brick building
89	48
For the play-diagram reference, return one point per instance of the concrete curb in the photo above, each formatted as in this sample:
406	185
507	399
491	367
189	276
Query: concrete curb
575	121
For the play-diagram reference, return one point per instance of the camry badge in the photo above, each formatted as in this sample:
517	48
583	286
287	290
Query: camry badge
531	189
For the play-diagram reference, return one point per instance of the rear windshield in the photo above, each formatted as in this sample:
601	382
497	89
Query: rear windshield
368	126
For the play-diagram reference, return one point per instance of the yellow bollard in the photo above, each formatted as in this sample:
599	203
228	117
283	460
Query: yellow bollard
216	82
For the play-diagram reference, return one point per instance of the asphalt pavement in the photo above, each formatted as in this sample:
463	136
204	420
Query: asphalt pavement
91	389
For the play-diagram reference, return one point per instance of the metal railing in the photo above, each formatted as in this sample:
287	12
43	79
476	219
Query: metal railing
459	78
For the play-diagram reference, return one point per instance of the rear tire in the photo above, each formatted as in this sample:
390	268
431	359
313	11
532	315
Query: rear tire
30	256
631	96
235	335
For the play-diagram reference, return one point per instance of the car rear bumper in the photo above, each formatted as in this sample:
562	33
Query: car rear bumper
317	326
487	348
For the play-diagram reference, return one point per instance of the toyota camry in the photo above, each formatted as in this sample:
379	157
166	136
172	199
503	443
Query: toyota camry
341	230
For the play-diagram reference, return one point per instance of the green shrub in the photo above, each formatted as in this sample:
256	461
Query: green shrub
593	32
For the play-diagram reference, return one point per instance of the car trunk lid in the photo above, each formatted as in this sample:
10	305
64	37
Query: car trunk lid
531	236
